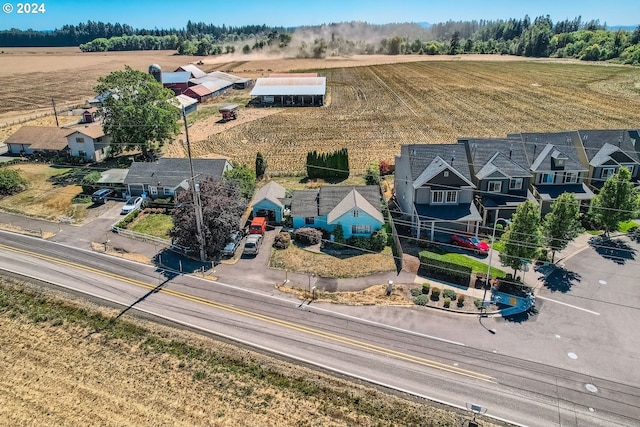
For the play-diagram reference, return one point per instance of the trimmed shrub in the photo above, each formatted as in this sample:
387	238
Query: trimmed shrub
307	236
421	300
449	293
416	292
435	293
478	303
11	182
378	240
282	240
431	265
460	300
128	219
425	287
447	302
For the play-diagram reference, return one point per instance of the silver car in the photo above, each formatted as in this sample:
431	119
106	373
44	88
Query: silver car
132	204
252	245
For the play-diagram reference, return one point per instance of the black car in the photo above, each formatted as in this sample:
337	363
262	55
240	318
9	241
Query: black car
100	196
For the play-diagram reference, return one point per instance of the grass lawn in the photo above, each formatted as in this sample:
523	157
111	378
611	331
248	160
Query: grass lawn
49	195
157	225
476	266
625	226
301	260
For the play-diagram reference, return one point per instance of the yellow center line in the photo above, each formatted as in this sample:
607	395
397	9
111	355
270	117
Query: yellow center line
283	323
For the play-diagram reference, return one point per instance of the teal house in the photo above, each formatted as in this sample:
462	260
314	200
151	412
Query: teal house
355	208
269	202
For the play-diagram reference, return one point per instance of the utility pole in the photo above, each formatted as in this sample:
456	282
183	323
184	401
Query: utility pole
196	195
55	113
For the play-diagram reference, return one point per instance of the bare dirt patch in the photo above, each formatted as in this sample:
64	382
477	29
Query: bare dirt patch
373	295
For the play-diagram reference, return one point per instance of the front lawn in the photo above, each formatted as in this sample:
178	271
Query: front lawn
460	259
49	194
301	260
157	225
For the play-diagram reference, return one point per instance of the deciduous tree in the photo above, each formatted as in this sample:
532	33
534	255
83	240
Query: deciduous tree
222	208
562	224
138	112
617	201
523	238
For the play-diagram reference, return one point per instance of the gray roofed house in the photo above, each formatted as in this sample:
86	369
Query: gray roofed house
501	175
605	151
556	167
434	188
355	208
169	175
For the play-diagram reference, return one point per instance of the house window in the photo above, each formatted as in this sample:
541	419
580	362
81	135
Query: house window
570	177
494	186
515	184
559	162
309	220
99	139
445	174
607	172
360	229
82	154
441	196
546	178
153	190
80	140
355	213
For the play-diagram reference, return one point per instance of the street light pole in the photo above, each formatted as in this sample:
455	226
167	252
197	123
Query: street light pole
196	195
493	238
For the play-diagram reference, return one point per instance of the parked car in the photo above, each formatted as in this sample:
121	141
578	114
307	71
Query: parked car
470	242
252	244
234	241
100	196
134	203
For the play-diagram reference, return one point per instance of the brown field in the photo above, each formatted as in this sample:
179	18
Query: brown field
64	363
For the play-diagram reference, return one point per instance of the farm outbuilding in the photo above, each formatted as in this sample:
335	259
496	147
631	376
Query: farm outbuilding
290	91
178	81
187	104
208	89
229	112
193	70
268	202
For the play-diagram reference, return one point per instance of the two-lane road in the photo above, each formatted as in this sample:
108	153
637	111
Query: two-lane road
428	365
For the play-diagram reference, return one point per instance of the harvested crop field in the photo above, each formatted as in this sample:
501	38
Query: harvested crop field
374	109
67	362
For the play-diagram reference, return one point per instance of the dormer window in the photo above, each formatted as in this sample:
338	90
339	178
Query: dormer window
445	174
559	162
494	186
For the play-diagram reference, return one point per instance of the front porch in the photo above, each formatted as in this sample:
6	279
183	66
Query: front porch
429	220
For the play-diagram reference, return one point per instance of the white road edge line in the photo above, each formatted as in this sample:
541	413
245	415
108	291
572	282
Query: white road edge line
568	305
274	351
251	291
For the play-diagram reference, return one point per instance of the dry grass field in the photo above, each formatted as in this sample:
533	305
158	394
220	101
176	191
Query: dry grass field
66	363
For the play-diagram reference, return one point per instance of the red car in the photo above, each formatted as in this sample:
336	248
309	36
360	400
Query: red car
470	242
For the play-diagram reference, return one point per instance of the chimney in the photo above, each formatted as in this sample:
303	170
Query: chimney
535	148
510	150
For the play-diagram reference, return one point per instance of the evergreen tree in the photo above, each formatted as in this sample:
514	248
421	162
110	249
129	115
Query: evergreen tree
261	165
562	224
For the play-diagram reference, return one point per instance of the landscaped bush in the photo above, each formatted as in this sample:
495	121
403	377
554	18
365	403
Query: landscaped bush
425	287
435	293
449	293
421	300
307	236
282	240
432	265
378	240
460	300
128	219
416	292
447	302
89	182
478	303
11	182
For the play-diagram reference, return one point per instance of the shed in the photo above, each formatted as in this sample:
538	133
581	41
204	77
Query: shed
290	91
268	202
229	112
187	104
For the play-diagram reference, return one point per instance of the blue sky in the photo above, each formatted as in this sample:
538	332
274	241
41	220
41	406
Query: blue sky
176	13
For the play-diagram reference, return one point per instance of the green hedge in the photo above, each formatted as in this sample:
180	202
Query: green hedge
432	266
128	219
